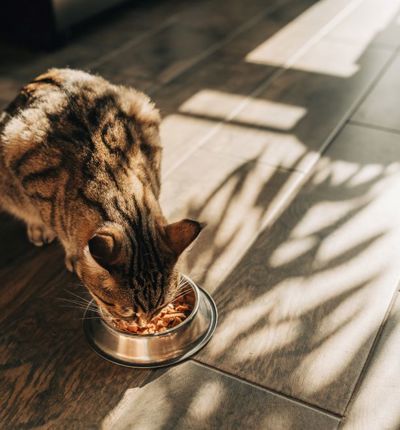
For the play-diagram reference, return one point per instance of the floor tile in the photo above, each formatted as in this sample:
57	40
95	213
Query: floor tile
380	108
300	310
195	397
235	197
366	22
377	403
302	282
317	103
286	43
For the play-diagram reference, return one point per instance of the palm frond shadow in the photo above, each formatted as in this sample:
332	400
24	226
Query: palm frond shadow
257	298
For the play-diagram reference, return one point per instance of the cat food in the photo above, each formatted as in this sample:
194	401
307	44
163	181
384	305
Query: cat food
169	317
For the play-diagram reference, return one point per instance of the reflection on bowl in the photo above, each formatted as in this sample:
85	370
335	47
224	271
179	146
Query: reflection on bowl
158	349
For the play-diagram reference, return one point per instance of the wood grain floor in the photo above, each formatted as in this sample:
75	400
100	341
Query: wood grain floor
281	131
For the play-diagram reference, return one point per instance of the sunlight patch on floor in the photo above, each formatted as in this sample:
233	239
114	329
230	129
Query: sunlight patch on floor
329	357
132	411
377	403
348	224
239	321
258	112
183	136
365	22
207	400
290	250
226	188
266	340
331	58
324	39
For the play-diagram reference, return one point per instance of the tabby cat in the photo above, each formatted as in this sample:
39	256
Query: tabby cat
80	161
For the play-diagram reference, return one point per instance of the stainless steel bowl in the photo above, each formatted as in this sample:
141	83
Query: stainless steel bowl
155	350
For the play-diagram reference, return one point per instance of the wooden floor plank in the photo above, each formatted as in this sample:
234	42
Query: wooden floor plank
124	49
300	311
179	47
377	403
191	396
49	376
99	41
226	70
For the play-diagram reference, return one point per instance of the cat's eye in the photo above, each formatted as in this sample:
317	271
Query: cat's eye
107	303
103	301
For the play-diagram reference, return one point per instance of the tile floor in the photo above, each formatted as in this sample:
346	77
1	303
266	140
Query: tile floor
281	131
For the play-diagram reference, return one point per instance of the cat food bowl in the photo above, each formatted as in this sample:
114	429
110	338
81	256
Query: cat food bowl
159	349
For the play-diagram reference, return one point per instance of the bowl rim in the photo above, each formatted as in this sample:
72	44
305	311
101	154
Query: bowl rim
190	317
203	340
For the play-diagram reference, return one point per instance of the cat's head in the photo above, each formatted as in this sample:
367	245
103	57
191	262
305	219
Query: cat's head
128	271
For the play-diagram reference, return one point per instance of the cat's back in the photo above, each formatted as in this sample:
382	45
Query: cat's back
69	129
55	99
60	115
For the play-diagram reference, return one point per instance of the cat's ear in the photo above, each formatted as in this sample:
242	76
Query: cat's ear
181	234
106	245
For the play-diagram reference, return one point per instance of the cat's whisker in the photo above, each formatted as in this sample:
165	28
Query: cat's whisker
77	304
182	282
72	301
90	318
181	294
181	285
183	291
177	298
83	304
80	309
78	296
72	298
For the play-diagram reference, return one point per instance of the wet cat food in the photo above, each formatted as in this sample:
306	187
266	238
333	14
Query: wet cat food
169	317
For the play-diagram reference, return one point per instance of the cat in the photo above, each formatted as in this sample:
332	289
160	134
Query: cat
80	162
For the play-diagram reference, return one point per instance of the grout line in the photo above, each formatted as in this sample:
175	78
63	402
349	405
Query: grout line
353	108
276	393
374	126
372	351
377	78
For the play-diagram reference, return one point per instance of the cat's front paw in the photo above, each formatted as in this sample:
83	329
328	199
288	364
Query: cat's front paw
39	234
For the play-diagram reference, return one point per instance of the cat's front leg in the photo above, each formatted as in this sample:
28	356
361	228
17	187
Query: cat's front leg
39	234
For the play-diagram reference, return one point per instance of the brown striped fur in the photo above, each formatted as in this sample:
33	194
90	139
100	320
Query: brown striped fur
80	161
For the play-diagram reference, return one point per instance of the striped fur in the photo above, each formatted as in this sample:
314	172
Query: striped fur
80	161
